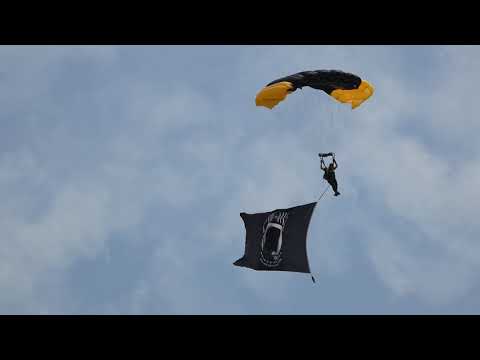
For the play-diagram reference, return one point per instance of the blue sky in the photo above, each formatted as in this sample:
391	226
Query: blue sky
123	171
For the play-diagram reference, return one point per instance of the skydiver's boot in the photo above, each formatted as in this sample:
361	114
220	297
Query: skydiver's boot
337	193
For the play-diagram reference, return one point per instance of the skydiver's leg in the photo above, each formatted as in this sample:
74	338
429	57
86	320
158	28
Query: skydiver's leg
331	182
335	186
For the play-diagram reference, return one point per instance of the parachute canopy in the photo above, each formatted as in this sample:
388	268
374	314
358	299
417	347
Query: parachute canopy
342	86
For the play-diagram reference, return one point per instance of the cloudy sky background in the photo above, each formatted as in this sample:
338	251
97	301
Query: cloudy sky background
123	171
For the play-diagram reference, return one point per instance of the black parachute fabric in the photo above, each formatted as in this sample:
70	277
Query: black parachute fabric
342	86
277	240
326	80
322	155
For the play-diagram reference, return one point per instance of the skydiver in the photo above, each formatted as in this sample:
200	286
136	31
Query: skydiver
329	173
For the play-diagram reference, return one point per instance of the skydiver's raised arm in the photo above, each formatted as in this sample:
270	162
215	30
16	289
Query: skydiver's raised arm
322	165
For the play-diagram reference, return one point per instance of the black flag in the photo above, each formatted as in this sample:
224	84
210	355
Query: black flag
277	240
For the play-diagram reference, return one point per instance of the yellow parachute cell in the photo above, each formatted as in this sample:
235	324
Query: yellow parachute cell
271	95
354	97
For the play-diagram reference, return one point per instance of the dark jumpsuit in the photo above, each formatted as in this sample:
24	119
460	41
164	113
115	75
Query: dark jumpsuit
330	177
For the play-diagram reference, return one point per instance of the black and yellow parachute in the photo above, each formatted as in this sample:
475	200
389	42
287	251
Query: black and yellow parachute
342	86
